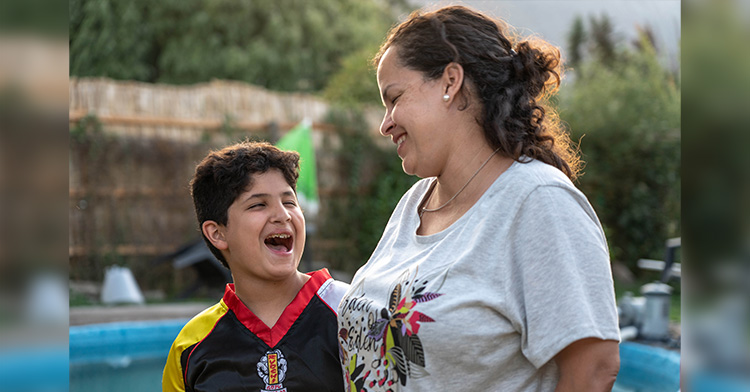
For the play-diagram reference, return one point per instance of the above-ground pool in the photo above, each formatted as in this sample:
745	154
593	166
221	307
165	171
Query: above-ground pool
130	356
125	356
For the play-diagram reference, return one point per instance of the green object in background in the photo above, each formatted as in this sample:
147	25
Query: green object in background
300	139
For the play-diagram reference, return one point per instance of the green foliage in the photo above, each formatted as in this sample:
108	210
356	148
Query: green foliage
86	137
603	39
599	42
40	17
110	38
717	120
85	126
356	82
375	183
576	41
290	45
629	113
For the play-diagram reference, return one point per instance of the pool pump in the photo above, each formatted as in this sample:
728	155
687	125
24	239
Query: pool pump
647	317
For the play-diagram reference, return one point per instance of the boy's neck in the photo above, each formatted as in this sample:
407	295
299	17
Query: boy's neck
268	299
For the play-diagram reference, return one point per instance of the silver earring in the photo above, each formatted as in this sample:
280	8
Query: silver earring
446	97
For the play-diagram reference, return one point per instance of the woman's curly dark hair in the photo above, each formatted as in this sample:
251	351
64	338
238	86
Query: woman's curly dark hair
223	175
513	79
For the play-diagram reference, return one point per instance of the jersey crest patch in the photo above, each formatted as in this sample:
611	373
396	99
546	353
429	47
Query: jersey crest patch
272	370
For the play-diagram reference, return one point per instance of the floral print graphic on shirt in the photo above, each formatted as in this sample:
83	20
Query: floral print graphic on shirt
392	333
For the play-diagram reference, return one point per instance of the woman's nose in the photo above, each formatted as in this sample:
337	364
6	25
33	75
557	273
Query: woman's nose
387	125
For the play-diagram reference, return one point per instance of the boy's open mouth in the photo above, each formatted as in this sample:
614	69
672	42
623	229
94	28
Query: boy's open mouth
279	242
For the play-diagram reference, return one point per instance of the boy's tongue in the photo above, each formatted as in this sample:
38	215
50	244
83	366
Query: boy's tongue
278	248
278	244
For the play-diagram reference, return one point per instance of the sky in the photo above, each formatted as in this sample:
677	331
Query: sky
552	19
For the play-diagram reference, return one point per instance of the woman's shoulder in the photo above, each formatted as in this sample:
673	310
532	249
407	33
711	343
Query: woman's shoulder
539	186
526	178
534	173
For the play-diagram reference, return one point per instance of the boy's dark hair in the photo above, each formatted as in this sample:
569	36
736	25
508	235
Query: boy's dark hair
225	174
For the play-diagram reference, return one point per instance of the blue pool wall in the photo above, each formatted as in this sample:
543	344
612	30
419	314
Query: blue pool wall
110	342
126	341
34	369
653	365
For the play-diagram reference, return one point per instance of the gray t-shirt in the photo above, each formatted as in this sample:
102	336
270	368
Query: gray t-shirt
487	302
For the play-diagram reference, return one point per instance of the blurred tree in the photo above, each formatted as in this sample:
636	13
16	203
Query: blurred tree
576	42
110	38
290	45
717	166
645	33
39	17
603	39
356	82
375	183
629	112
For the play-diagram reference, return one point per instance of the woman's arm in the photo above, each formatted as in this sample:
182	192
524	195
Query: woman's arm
588	365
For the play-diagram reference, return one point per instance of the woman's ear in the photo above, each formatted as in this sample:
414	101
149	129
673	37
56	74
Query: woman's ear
453	79
213	231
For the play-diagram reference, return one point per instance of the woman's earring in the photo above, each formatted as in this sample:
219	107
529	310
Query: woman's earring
446	97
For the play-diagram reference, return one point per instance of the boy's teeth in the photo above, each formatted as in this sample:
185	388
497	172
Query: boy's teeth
280	242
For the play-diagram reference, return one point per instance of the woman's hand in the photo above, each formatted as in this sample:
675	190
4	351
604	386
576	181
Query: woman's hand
589	365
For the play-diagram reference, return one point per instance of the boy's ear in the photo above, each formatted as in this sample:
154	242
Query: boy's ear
213	231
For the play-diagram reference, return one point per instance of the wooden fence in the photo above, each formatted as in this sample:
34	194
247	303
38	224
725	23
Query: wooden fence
134	147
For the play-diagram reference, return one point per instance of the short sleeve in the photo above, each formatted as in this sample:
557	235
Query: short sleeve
172	380
564	282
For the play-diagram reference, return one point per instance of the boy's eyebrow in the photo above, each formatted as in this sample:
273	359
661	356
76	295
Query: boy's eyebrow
262	195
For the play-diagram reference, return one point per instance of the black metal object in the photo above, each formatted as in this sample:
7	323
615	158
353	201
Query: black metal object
669	258
209	271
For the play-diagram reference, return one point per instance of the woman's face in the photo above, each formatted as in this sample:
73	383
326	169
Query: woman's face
413	117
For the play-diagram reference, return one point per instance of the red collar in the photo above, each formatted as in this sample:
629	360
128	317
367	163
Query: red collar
272	336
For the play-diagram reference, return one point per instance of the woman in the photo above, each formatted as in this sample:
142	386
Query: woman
493	271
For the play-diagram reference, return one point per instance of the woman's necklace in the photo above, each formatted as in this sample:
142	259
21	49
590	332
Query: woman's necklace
425	209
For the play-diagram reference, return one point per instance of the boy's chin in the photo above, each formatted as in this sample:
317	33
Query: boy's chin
284	270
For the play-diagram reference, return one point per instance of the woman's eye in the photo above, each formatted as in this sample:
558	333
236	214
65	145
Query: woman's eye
393	101
291	203
252	206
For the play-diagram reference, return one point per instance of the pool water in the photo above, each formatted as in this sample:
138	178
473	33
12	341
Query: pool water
647	369
126	376
131	356
126	356
640	386
145	375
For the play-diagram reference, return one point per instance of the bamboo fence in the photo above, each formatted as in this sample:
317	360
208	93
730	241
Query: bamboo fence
128	186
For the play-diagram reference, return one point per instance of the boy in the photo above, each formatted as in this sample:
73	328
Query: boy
275	327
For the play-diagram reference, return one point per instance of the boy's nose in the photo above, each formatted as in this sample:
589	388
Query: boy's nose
281	214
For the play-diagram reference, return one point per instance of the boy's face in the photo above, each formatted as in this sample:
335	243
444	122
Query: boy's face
265	232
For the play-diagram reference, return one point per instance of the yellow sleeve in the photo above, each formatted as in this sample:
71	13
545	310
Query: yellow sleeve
173	378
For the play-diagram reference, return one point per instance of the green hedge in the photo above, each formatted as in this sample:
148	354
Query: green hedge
626	116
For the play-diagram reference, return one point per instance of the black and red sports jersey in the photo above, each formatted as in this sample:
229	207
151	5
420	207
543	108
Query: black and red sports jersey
227	348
